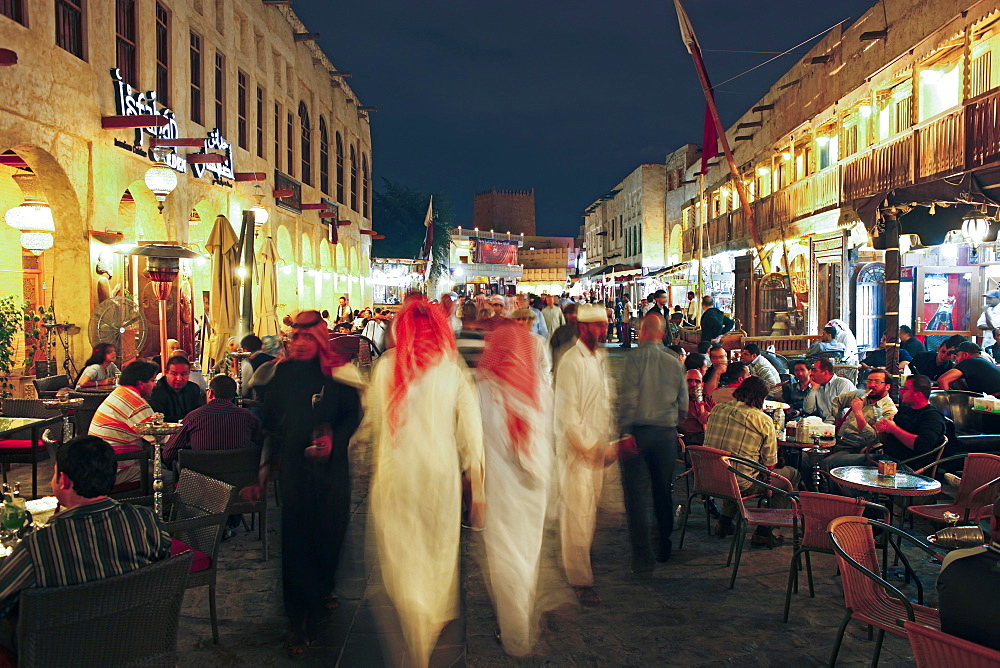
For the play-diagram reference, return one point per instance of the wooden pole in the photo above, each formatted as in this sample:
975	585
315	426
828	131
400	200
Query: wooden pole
890	234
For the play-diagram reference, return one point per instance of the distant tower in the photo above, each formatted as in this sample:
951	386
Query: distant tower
505	211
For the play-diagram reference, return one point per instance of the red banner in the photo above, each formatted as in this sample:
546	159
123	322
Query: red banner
495	252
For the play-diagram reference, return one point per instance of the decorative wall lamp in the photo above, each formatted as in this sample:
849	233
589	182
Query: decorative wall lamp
260	214
33	217
159	178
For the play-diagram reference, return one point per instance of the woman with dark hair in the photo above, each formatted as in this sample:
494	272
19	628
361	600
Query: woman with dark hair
99	370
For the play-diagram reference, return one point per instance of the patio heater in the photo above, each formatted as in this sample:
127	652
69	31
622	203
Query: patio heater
163	263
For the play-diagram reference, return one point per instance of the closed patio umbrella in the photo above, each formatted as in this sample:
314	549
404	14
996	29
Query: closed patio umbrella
266	321
224	248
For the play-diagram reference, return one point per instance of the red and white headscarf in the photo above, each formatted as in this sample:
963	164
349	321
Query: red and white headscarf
312	324
509	363
422	336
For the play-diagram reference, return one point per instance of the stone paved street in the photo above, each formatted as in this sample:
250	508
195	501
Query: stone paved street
684	615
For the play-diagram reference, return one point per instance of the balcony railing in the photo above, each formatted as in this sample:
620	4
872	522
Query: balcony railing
941	146
982	130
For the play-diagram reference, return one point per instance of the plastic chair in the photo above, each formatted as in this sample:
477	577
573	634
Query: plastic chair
711	479
933	648
867	597
197	519
238	468
128	619
978	489
816	511
776	518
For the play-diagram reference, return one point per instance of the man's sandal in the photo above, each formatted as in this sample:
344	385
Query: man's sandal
587	595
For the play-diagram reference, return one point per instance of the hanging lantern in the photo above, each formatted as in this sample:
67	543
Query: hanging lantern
975	226
159	178
260	214
36	242
31	216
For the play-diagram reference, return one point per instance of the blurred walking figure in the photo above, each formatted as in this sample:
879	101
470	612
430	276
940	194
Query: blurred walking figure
515	399
312	407
583	428
426	431
653	400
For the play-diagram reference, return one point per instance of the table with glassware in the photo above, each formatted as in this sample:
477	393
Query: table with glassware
10	425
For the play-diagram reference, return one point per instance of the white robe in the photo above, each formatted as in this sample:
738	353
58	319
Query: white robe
582	422
416	493
517	490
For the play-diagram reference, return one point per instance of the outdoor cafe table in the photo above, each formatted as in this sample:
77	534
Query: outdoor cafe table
9	425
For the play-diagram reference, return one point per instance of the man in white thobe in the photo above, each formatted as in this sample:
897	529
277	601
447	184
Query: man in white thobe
583	428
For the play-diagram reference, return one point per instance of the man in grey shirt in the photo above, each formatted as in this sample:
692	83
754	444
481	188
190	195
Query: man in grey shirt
653	400
825	387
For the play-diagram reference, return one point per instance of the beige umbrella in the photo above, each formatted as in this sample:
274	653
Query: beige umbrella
266	321
223	246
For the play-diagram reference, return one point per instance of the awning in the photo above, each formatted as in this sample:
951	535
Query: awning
669	270
596	271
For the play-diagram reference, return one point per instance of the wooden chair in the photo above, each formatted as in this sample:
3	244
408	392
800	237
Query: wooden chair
126	620
196	520
867	597
238	468
933	648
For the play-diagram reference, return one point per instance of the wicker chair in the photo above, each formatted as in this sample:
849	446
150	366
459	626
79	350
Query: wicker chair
867	597
197	518
238	468
816	511
47	387
848	371
25	446
83	415
933	648
777	518
710	479
126	620
978	489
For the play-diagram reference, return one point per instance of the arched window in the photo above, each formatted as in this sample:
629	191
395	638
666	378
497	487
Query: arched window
340	169
366	183
354	179
324	157
306	129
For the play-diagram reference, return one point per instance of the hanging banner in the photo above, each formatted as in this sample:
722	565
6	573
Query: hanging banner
494	252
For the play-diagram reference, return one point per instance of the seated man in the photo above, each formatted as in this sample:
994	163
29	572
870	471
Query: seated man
917	428
825	387
741	428
218	425
826	344
92	537
795	391
719	359
978	373
760	367
692	427
967	587
935	364
910	343
119	413
253	345
735	374
855	414
174	394
876	358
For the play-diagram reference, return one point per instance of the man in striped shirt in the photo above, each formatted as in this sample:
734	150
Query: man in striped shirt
127	406
218	425
91	538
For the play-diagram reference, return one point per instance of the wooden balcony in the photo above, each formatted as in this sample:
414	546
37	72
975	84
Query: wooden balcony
941	146
982	130
879	170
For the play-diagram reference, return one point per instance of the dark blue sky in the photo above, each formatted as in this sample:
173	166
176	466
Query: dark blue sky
563	96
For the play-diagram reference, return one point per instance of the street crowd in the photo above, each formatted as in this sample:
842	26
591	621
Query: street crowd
493	412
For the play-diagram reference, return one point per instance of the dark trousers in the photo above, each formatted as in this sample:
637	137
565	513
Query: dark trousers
625	334
315	510
652	471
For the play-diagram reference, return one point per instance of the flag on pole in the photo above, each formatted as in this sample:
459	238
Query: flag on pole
710	138
425	249
709	141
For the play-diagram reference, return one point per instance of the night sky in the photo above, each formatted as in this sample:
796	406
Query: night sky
566	97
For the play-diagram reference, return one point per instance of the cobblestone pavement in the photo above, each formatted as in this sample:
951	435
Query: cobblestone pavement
685	614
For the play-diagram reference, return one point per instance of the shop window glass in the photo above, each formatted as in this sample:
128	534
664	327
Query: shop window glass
340	169
354	179
242	131
125	41
324	157
220	92
290	143
69	23
277	136
260	122
366	185
826	151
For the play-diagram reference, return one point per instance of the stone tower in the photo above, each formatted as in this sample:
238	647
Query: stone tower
505	211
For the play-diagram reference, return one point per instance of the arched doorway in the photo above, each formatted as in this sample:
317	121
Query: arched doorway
869	304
